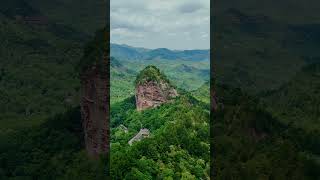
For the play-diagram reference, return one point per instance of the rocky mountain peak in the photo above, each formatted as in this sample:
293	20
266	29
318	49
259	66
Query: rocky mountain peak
153	89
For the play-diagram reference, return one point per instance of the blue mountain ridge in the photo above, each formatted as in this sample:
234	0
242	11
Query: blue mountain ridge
133	53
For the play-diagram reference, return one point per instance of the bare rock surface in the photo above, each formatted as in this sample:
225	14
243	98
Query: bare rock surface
153	91
95	105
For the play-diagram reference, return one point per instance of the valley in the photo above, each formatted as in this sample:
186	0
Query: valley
188	74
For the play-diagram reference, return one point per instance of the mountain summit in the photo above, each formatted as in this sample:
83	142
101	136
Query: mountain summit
152	88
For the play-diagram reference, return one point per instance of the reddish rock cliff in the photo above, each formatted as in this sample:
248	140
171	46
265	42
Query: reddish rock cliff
95	98
152	90
214	101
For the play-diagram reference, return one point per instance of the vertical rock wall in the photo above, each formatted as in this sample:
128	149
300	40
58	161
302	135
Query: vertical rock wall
95	104
95	112
151	94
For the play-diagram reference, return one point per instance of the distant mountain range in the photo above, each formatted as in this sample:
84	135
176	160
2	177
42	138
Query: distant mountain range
133	53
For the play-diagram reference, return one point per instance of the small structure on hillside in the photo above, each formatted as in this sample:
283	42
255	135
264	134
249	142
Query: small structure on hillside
122	127
143	133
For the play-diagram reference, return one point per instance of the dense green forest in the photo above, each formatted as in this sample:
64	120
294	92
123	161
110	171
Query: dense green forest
297	101
41	134
40	125
38	59
178	147
251	143
267	122
266	70
256	51
53	150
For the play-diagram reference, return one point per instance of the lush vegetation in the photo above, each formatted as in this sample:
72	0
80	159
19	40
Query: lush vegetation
256	52
95	53
41	134
297	102
203	93
121	81
251	143
126	52
53	150
37	73
151	73
40	128
187	75
267	123
177	148
273	133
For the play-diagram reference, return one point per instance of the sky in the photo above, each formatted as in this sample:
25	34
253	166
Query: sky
172	24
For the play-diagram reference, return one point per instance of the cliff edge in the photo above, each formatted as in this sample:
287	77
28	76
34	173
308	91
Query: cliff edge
153	89
94	68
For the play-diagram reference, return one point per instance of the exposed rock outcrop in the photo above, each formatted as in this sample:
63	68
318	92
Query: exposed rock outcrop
95	96
153	89
214	101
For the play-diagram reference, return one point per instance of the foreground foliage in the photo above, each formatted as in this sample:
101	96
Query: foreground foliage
53	150
177	148
250	143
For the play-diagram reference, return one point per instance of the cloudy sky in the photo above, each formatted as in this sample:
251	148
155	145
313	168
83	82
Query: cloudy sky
173	24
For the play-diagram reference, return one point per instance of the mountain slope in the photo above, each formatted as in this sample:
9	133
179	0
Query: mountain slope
284	11
255	51
40	132
132	53
90	15
202	93
41	44
298	101
261	46
185	75
38	77
53	146
177	147
249	143
121	81
177	143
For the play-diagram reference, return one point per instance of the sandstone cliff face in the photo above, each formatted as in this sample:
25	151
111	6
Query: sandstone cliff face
151	94
95	106
95	112
214	101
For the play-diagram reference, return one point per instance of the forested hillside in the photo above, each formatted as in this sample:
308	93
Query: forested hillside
189	74
122	80
256	51
202	93
251	143
133	53
265	63
178	145
297	102
37	73
41	133
39	52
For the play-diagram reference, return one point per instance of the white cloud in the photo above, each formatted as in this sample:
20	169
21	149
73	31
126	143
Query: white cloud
174	24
